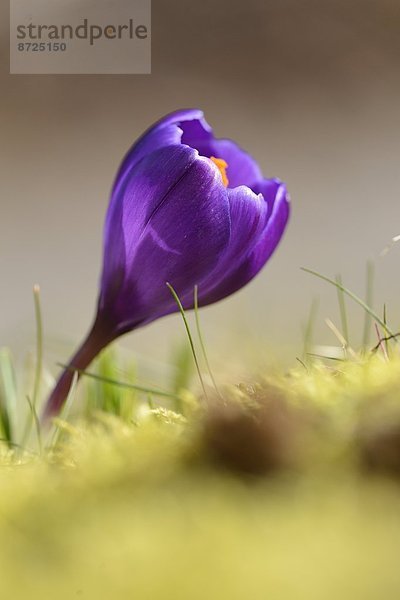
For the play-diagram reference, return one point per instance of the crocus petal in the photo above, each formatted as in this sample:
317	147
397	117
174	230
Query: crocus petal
269	189
276	224
242	168
165	132
240	270
189	127
130	209
248	213
175	223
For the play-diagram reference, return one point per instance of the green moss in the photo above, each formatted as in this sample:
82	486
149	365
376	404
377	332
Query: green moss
157	505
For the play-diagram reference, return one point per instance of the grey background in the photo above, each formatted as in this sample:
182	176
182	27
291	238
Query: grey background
310	88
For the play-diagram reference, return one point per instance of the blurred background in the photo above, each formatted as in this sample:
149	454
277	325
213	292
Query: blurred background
310	88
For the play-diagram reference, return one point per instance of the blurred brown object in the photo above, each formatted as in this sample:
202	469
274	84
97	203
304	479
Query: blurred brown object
380	450
256	439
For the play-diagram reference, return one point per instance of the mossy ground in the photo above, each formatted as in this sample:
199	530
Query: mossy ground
285	488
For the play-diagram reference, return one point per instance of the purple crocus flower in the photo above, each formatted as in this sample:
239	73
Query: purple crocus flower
186	208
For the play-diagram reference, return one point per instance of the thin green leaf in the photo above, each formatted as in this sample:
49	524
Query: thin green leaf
308	331
124	384
342	308
368	302
39	361
325	357
35	419
385	331
183	367
352	296
183	315
8	394
200	336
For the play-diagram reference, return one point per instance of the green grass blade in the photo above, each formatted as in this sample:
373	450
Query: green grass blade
132	386
351	295
108	399
325	357
200	336
368	302
39	363
183	363
308	331
342	308
183	315
385	331
39	344
8	395
36	421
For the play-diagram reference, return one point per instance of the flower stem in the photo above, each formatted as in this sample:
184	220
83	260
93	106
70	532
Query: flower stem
97	338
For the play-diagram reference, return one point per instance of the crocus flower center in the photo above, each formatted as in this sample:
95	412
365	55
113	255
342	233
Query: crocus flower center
222	166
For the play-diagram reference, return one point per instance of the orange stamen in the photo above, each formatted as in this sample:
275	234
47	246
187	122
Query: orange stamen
222	167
